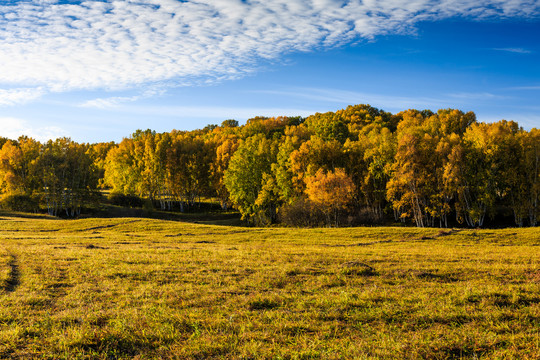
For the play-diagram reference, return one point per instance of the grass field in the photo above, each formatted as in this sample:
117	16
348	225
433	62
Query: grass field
146	288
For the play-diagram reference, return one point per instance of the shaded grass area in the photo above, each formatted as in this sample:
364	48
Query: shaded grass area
150	289
195	215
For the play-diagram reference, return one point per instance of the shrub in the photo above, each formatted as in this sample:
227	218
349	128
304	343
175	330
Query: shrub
125	200
24	203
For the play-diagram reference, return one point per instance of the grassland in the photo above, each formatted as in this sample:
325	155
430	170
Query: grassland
146	288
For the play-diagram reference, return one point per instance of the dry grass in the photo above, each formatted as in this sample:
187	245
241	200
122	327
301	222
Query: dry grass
139	288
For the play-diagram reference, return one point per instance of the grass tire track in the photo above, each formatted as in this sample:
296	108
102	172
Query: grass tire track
108	226
13	281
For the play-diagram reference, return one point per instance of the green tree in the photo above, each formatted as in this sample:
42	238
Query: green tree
229	123
248	172
328	127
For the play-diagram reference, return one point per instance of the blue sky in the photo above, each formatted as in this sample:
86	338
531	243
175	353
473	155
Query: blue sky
99	70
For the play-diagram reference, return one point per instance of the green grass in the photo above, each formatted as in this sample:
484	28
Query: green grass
151	289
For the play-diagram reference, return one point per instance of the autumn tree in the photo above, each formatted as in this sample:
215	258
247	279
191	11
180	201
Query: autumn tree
17	166
189	160
231	123
98	152
479	169
328	127
529	190
314	154
123	168
331	191
224	153
520	189
67	176
358	117
408	186
369	161
248	172
424	165
3	140
289	185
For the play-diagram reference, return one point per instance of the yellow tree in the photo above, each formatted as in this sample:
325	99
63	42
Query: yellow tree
67	176
122	171
315	154
17	166
530	144
413	184
421	186
159	170
523	176
368	163
480	169
331	191
328	126
453	121
289	186
188	167
11	169
224	152
98	153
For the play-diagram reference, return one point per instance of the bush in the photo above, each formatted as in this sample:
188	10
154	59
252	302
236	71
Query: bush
301	213
23	203
126	200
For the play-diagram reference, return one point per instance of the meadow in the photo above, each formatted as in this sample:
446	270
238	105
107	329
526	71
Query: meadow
135	288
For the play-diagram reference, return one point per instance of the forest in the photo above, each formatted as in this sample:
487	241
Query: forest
356	166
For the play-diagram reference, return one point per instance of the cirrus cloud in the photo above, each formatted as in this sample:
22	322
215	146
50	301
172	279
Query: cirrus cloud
52	45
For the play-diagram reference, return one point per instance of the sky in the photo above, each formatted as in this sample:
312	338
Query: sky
99	70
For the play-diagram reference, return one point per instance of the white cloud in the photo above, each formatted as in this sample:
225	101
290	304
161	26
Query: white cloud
125	43
217	113
116	101
12	128
18	96
525	88
107	103
514	50
476	96
344	97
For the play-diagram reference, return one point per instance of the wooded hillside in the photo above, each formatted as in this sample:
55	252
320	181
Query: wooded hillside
359	165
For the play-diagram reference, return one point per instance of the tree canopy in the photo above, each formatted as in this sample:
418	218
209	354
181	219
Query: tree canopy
356	165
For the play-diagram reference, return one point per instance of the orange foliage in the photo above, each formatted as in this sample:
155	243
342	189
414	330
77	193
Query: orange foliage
332	191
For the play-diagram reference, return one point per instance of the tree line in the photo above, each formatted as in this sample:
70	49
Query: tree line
59	175
358	165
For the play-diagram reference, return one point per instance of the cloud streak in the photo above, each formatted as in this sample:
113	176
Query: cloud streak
537	87
216	113
116	101
12	128
344	97
514	50
51	45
